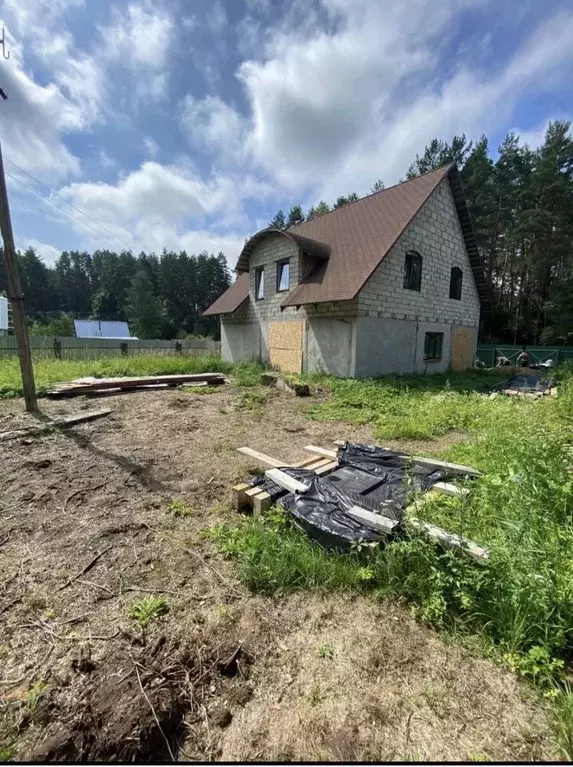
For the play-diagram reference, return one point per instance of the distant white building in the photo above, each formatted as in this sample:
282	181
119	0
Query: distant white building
3	316
103	329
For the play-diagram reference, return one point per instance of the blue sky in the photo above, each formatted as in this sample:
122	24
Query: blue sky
188	123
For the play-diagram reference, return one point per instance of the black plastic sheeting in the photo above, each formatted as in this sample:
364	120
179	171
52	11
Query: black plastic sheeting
374	478
530	384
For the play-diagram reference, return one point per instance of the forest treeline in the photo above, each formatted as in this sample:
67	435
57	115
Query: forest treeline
521	206
160	297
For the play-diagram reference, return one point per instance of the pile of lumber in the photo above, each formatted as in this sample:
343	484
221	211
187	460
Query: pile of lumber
112	385
324	462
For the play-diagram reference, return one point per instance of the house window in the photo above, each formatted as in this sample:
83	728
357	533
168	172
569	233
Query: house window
259	283
433	346
456	283
413	271
283	276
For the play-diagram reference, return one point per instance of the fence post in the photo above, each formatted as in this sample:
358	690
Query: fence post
57	349
178	348
123	348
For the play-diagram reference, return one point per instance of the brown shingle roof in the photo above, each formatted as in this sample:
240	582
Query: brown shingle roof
357	237
232	298
359	234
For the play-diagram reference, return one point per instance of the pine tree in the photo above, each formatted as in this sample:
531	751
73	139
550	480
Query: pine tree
295	216
278	222
143	307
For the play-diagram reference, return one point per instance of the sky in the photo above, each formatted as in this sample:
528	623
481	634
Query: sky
186	124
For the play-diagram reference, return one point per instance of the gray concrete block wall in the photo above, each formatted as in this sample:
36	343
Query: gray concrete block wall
435	233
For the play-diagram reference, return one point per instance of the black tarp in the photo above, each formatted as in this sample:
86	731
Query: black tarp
374	478
529	384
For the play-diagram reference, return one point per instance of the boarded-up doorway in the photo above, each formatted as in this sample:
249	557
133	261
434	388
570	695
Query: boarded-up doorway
285	346
461	349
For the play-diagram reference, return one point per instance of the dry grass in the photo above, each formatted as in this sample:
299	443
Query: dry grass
389	689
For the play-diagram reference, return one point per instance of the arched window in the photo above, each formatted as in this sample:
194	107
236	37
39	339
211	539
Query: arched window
456	283
413	270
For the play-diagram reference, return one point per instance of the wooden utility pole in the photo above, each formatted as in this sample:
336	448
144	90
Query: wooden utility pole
15	297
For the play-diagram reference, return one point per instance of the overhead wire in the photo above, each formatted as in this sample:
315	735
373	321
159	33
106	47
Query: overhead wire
102	229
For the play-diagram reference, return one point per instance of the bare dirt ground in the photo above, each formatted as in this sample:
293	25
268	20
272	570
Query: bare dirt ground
224	674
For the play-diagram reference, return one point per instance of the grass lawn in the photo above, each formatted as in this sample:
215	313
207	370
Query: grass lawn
521	601
51	371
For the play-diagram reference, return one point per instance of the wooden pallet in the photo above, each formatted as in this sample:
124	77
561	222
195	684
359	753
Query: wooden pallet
258	500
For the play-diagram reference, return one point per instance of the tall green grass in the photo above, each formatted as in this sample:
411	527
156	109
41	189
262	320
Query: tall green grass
51	371
521	600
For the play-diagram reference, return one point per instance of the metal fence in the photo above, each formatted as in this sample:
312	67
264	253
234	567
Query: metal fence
60	347
488	353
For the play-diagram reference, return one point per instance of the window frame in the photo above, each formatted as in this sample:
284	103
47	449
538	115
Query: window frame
259	281
280	264
411	261
456	274
438	348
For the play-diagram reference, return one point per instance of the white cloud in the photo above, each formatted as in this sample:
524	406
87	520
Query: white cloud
333	110
170	206
47	253
213	125
140	35
150	146
216	18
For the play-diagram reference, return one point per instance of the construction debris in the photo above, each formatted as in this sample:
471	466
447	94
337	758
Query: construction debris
529	384
274	379
357	493
111	385
57	423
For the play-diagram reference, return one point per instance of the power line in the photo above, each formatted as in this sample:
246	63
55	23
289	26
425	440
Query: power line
57	207
52	191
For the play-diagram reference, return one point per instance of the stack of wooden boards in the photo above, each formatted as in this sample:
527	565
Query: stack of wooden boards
112	385
325	462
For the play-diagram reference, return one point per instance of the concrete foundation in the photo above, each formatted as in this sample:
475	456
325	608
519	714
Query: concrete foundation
330	346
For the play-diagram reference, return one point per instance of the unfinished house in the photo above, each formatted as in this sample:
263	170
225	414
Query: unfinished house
392	283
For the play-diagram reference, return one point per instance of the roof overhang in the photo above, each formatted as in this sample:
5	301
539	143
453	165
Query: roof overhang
317	250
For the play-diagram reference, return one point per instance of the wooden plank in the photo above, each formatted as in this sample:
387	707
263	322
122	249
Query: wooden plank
370	519
450	540
261	502
326	468
81	387
455	468
58	423
239	496
284	480
321	451
262	457
446	488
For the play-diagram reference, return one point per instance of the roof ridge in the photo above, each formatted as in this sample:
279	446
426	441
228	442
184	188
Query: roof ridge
449	166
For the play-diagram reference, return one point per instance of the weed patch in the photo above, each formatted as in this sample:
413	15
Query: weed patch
148	609
179	508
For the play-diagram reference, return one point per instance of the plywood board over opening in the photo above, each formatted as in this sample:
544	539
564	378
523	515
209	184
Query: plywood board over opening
285	346
461	349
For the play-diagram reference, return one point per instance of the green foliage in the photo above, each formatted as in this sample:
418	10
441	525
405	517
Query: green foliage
179	508
143	308
58	326
252	400
7	753
148	609
325	651
563	721
35	693
247	373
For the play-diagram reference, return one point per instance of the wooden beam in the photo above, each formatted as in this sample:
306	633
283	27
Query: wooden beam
284	480
370	519
326	468
262	457
446	488
321	451
450	540
454	468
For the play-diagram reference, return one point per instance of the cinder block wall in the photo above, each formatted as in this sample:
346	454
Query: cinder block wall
383	346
